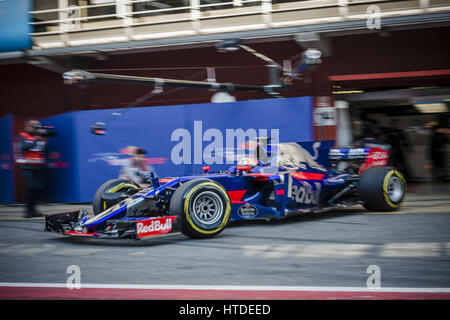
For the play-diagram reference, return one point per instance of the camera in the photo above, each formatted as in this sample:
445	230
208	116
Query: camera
45	131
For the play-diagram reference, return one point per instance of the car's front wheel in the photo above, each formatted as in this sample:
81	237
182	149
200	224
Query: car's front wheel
204	208
111	193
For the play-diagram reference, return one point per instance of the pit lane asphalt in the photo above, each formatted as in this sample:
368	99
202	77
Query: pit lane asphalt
411	247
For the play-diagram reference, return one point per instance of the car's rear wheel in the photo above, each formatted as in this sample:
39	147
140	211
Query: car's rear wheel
204	208
111	193
382	188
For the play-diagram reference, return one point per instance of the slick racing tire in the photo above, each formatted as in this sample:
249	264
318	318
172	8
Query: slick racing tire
382	188
111	193
204	208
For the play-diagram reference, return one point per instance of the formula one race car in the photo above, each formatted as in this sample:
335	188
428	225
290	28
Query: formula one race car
276	181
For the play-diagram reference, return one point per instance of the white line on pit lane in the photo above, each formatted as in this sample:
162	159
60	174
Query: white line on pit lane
412	249
343	250
265	251
224	287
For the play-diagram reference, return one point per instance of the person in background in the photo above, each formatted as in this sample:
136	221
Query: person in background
373	136
399	143
135	168
437	151
33	149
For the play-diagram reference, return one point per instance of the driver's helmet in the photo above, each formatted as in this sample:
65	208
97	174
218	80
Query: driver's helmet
247	161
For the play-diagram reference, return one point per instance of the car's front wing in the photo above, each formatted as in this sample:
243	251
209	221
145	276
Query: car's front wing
70	224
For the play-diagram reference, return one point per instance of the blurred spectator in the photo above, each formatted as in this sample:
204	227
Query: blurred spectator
136	169
373	136
369	128
33	149
437	151
399	143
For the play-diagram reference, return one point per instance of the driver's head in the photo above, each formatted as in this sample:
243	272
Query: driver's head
140	153
248	161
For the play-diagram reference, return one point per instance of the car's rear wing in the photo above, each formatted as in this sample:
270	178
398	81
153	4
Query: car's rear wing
363	157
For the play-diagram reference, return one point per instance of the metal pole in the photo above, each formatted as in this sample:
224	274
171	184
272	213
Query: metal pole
81	76
63	15
274	70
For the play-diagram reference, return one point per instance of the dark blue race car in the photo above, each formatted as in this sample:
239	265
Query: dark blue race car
274	182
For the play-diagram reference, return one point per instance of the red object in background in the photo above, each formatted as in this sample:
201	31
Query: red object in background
206	168
377	158
99	132
156	160
5	162
55	161
390	75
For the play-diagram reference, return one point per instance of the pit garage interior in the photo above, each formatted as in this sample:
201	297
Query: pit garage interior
390	79
412	102
382	74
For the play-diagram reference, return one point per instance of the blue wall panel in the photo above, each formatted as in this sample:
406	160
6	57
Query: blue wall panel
148	128
14	27
89	160
6	160
62	174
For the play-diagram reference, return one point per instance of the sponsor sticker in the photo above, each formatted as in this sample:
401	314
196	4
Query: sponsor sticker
304	193
377	157
154	226
247	210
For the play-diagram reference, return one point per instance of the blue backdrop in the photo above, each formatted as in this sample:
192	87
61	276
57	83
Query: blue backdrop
80	161
6	160
14	27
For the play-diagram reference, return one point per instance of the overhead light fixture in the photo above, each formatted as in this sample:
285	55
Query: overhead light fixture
312	56
347	91
51	45
422	88
228	45
436	107
93	41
